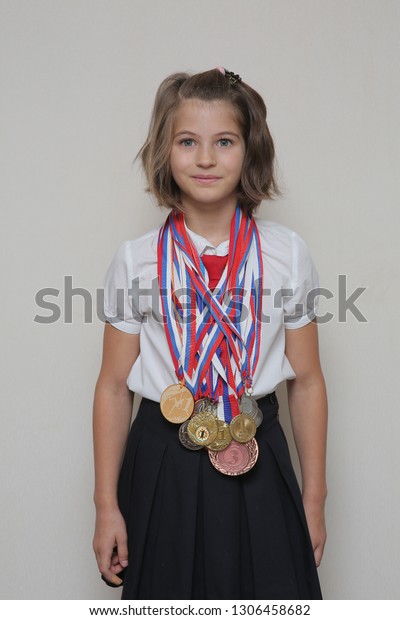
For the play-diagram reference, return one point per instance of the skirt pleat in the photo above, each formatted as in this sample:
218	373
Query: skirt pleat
194	533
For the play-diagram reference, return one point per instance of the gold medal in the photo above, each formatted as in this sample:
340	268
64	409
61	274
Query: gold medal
236	459
243	428
176	403
203	428
223	439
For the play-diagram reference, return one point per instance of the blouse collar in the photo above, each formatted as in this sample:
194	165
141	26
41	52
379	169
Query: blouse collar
203	246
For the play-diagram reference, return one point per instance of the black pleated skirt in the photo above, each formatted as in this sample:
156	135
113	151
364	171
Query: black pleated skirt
195	533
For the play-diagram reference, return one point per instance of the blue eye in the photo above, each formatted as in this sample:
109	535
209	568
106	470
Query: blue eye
225	142
187	142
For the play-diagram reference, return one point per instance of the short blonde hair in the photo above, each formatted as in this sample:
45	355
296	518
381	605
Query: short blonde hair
257	181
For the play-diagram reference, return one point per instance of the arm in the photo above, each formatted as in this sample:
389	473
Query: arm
308	412
112	413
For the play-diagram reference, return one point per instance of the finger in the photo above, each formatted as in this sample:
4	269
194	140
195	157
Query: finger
318	552
114	561
108	575
116	566
107	570
122	547
112	581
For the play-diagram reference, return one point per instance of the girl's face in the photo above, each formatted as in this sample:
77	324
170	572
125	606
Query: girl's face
207	154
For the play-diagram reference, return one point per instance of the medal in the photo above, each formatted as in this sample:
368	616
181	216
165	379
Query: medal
203	428
204	404
223	438
185	439
236	459
258	417
243	428
215	355
248	404
176	403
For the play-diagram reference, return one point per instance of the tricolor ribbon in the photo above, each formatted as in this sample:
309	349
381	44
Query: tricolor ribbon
214	339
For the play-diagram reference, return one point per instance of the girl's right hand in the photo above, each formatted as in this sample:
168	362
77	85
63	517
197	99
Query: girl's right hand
110	544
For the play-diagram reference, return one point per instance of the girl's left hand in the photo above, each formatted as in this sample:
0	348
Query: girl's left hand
316	526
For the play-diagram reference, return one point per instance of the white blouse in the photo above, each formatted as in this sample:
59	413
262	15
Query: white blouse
132	304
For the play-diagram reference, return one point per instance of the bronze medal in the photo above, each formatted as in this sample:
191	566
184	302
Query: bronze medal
185	439
223	439
203	428
243	428
236	459
176	403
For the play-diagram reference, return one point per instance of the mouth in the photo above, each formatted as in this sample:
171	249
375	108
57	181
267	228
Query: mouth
205	179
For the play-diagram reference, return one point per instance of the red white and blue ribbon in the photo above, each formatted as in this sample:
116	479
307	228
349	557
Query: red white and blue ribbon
214	338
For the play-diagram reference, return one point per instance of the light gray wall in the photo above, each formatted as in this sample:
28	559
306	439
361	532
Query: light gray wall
77	84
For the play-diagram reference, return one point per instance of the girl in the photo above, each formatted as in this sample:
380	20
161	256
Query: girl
205	317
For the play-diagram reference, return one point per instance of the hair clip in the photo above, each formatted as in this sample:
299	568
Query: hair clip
233	77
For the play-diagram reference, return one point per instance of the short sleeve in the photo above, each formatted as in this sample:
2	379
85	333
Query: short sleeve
300	301
121	308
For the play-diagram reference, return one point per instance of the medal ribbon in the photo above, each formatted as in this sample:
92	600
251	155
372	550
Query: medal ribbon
213	343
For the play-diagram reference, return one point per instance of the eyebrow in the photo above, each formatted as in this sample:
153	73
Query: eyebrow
220	133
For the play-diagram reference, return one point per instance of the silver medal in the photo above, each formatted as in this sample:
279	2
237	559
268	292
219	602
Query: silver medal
258	418
185	439
247	404
204	405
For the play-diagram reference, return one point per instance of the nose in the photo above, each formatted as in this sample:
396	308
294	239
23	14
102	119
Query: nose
205	156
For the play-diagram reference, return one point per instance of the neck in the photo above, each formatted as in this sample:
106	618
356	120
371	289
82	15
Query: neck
214	225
